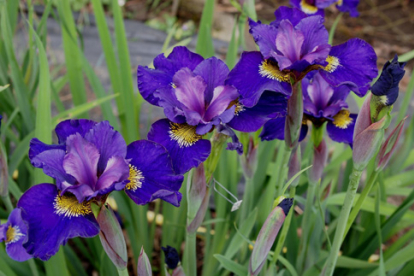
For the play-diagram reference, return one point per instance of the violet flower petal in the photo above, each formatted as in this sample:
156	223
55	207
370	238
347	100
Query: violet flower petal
68	127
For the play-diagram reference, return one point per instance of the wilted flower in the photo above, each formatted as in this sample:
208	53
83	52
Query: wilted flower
171	257
14	234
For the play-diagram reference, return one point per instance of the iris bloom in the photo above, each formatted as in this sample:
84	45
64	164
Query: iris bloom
322	103
14	234
316	7
293	45
195	98
90	161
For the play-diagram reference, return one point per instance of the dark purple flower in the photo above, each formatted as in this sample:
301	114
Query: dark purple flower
195	99
15	233
171	257
386	87
53	218
348	6
92	160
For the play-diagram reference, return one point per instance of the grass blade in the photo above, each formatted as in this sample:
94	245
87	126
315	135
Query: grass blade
205	45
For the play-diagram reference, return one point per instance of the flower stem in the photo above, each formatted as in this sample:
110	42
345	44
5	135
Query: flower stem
248	197
342	221
285	229
7	203
190	254
306	225
123	272
361	199
283	169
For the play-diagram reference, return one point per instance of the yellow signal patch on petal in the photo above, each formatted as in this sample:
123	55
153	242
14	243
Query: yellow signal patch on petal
184	134
135	178
13	234
339	3
333	63
308	8
69	206
342	119
270	69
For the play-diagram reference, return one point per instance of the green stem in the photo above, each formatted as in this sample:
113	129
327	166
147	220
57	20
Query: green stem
123	272
7	202
306	226
283	169
285	229
248	197
33	267
361	199
333	28
342	221
190	254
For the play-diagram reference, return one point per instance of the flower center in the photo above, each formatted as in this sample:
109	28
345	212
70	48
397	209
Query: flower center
13	234
342	119
184	134
270	69
308	8
135	178
69	206
239	107
333	63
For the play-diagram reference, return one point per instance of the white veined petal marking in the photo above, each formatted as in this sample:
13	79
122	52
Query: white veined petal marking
135	178
69	206
342	119
13	234
308	8
270	69
333	63
184	134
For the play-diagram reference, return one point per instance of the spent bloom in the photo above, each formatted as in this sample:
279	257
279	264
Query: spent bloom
196	98
316	7
90	161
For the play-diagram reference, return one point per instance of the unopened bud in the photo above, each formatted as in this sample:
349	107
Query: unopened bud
294	166
144	265
294	116
320	155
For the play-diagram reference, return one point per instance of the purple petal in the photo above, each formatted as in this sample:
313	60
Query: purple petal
50	159
66	128
252	119
179	58
349	6
151	80
49	226
14	247
275	129
222	97
246	77
309	9
235	144
289	42
214	72
190	92
184	156
108	141
116	172
293	15
81	161
357	66
158	177
264	36
342	135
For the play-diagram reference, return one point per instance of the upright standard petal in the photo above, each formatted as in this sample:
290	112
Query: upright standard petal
50	159
341	129
108	141
353	63
252	119
179	58
291	14
253	75
264	36
151	174
68	127
16	234
214	72
187	149
222	97
53	219
289	43
114	177
81	161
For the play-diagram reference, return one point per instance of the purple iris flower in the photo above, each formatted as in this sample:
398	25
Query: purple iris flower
15	233
316	7
322	103
195	98
92	160
293	45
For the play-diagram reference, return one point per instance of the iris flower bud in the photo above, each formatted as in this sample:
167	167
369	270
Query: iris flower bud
171	257
144	265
